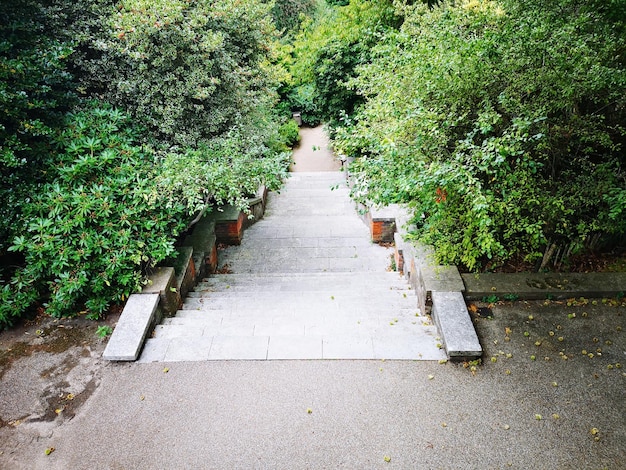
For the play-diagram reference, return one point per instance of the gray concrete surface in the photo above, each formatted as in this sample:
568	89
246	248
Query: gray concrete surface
353	414
314	152
305	283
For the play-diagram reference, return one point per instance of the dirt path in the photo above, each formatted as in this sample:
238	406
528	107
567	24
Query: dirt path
314	152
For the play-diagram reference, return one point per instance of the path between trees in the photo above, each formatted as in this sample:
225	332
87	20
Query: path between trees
314	152
305	283
511	412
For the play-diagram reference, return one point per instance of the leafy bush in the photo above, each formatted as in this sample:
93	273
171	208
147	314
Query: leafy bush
327	51
500	123
189	71
290	132
95	229
287	14
35	92
94	203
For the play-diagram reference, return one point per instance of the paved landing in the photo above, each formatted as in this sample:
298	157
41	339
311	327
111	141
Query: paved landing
305	283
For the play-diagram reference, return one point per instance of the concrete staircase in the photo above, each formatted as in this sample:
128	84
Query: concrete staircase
305	283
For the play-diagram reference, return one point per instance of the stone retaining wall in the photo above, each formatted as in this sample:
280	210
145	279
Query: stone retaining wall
168	285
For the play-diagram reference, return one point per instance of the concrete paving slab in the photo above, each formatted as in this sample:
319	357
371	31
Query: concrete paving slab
406	347
188	349
176	331
154	350
294	347
239	348
285	328
348	347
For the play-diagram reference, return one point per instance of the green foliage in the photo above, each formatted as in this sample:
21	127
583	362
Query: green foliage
288	14
189	71
35	91
103	331
290	132
92	231
500	123
327	51
90	204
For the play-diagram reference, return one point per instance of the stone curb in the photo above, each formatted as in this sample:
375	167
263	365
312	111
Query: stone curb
538	286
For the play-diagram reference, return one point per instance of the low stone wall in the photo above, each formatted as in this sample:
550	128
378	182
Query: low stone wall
168	285
439	289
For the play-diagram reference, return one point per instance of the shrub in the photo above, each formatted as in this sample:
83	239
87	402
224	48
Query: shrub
93	231
189	71
501	125
327	51
35	92
290	132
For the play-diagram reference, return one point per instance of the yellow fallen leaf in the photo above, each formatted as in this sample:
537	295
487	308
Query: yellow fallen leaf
166	370
387	458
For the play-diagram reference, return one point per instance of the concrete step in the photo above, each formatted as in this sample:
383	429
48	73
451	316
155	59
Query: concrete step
295	293
282	347
344	327
296	282
305	283
329	301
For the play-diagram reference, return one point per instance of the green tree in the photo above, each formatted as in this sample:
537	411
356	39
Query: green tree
501	123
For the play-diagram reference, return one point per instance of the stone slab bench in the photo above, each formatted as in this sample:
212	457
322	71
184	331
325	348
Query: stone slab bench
455	326
538	286
139	317
439	290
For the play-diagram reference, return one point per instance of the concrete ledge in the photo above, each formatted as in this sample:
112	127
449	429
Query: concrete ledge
163	282
399	252
138	318
200	265
457	331
537	286
184	269
441	278
257	206
203	240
